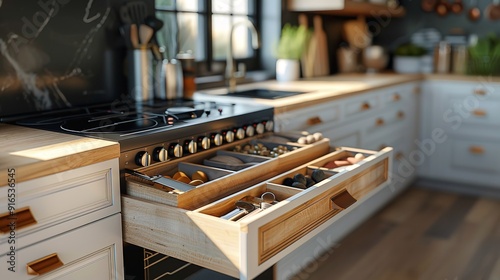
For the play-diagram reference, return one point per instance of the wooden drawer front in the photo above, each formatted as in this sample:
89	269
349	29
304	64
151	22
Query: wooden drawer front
294	225
86	193
307	119
361	105
477	155
245	248
93	251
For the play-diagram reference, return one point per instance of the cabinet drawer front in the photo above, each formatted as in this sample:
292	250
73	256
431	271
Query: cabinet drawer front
90	252
477	113
246	247
477	155
361	105
399	94
73	194
289	228
307	119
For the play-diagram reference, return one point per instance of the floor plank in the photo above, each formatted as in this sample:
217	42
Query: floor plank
423	234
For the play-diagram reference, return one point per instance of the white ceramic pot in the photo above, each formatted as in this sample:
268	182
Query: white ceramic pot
407	64
287	70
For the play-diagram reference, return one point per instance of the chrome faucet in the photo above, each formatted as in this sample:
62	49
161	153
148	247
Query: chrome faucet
231	72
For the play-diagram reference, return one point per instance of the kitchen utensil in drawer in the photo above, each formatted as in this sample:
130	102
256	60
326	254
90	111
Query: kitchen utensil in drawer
163	182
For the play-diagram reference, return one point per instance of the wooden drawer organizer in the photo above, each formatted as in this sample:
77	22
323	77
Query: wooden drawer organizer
246	247
224	182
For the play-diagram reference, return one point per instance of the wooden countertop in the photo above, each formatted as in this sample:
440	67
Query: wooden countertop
36	153
324	89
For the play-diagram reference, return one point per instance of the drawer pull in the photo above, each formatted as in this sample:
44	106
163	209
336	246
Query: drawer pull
379	122
342	200
401	115
477	150
417	90
23	218
479	113
396	97
44	265
314	121
479	91
365	106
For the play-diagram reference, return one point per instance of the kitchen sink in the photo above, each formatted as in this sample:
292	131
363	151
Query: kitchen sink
265	93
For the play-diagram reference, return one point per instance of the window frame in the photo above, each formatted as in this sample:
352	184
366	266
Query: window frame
208	66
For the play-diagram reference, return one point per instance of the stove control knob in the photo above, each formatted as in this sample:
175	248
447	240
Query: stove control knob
250	131
260	128
190	146
269	125
204	142
142	158
175	150
229	136
240	133
217	139
160	154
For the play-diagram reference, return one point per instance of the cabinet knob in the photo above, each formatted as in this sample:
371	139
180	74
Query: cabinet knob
480	91
401	115
396	97
44	265
379	122
476	150
399	156
479	113
365	106
314	121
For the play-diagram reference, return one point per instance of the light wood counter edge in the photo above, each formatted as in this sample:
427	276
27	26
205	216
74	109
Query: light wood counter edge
67	152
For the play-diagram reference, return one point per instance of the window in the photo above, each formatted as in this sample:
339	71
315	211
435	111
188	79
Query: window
203	26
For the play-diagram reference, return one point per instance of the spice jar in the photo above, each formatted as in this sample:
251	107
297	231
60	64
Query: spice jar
459	61
442	54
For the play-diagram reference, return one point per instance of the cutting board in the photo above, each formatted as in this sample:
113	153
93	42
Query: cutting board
307	58
321	65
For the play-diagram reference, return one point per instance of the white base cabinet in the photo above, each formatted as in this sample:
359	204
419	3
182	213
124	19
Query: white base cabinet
461	132
66	225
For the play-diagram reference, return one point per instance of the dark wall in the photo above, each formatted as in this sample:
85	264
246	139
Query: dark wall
400	30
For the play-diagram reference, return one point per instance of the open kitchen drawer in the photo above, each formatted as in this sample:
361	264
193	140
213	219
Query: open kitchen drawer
246	247
224	181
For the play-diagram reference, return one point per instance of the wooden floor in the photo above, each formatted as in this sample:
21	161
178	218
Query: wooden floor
424	234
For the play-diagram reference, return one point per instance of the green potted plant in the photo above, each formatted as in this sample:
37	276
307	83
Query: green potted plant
484	56
408	58
289	51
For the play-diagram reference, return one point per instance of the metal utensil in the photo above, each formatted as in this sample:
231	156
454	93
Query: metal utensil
158	179
242	208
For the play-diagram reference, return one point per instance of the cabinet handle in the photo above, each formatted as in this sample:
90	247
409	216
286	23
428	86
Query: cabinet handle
477	150
479	113
479	91
417	90
401	115
365	106
396	97
314	121
23	218
44	265
379	122
342	200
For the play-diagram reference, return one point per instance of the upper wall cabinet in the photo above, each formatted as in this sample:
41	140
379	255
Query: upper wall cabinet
346	8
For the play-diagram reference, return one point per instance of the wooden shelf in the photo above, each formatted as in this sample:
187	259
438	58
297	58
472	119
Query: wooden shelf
352	8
